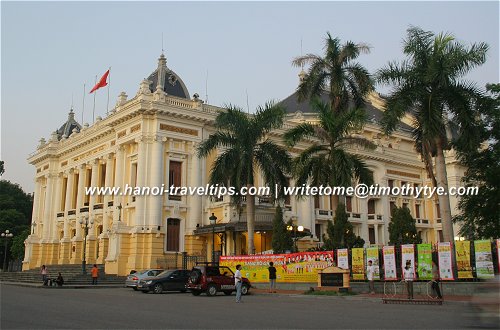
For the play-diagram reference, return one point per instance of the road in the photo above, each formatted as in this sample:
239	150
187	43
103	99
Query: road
35	308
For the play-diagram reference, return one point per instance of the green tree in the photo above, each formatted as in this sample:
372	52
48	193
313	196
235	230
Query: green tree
246	148
17	248
343	231
282	240
428	86
326	161
338	73
2	168
480	214
328	241
402	229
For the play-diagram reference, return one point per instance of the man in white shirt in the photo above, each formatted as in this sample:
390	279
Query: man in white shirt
237	282
408	277
370	273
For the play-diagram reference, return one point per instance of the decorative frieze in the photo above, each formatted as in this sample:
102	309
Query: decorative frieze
182	130
406	174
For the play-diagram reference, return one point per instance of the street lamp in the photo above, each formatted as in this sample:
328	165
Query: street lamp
6	235
213	221
295	228
86	224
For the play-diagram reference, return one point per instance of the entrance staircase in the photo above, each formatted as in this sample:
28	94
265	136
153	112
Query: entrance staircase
72	275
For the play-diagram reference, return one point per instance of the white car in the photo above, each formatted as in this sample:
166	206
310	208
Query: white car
133	279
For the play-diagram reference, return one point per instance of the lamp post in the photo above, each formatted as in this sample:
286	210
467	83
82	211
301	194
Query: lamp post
295	228
213	221
86	223
6	235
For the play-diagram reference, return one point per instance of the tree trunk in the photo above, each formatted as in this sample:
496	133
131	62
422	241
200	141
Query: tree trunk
250	222
444	200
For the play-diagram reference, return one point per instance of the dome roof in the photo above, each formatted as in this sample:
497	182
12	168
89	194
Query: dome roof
66	129
172	84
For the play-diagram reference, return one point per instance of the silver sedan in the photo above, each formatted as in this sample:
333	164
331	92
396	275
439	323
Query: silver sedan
133	279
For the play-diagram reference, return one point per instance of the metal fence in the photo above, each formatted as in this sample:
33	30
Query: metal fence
179	260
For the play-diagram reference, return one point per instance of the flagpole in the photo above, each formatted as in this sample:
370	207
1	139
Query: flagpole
93	110
83	106
109	83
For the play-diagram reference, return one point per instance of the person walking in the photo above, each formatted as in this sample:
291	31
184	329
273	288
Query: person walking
272	277
238	279
370	273
44	273
408	277
95	274
435	280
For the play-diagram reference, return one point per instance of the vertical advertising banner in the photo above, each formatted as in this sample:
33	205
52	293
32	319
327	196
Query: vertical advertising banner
424	261
408	255
358	267
445	266
389	263
498	253
462	252
342	259
484	261
293	267
372	255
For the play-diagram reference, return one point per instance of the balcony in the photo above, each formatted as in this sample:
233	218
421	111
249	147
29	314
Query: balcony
377	217
422	222
60	214
323	214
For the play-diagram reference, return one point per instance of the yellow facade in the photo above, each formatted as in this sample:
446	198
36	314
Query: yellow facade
140	142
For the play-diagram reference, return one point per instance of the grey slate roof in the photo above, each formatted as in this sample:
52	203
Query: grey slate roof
374	115
173	84
67	128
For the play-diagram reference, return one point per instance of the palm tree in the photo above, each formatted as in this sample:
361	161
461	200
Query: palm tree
336	73
428	86
326	161
245	148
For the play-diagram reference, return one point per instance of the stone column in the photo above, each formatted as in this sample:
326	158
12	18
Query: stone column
35	218
195	201
386	212
155	209
93	183
375	226
80	198
118	182
363	210
48	202
141	181
67	203
108	181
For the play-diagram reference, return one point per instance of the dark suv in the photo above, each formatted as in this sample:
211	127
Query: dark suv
211	278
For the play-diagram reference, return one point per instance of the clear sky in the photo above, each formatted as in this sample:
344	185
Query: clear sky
50	49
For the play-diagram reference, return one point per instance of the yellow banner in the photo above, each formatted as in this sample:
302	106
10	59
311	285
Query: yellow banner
358	267
293	267
462	251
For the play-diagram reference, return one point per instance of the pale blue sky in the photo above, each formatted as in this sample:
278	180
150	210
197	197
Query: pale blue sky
49	49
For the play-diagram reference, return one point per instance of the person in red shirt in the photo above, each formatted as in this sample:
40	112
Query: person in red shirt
95	274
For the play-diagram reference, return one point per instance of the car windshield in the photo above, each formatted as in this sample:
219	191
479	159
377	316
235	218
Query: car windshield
165	273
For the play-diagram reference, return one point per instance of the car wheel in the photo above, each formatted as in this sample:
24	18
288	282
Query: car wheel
228	292
212	290
157	288
135	288
244	289
196	292
145	291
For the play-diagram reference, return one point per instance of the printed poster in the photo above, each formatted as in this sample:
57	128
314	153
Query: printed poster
444	257
408	255
358	267
372	255
292	267
342	259
424	261
484	260
462	252
498	252
389	263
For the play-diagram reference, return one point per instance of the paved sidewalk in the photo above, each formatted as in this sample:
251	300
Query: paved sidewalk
362	296
66	286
